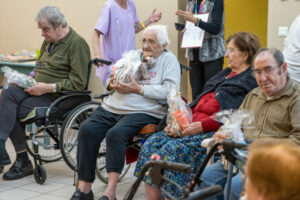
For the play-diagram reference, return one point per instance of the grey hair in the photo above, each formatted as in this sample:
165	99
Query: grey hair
161	33
277	55
53	15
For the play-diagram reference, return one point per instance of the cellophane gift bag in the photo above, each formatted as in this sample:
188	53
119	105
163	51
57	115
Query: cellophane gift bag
12	76
179	113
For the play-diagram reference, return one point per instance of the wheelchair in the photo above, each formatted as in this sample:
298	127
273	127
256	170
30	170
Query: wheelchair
235	153
51	131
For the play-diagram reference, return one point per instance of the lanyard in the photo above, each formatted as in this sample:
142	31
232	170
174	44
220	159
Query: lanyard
201	6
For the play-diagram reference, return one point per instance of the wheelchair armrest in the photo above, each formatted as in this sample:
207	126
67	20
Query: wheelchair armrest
70	92
101	96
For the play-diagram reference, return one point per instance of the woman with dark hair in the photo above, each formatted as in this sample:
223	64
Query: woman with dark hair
226	90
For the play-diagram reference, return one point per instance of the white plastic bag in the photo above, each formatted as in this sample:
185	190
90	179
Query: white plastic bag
12	76
131	64
179	112
233	121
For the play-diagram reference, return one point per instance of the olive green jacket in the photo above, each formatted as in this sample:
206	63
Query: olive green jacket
277	117
66	64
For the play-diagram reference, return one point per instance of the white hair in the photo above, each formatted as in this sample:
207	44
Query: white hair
161	33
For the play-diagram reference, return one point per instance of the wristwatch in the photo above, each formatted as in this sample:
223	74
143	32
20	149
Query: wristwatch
54	89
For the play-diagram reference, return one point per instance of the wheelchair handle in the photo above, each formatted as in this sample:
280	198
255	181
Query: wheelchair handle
95	61
205	192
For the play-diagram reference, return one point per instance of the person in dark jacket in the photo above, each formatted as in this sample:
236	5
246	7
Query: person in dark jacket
207	60
226	90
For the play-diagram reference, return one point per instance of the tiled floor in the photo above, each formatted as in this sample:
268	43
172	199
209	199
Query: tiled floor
59	184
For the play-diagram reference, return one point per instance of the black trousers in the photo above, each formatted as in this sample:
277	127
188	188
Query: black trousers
116	129
202	72
15	104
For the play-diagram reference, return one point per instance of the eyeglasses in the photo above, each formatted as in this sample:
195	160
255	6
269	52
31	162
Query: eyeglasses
149	42
267	71
230	50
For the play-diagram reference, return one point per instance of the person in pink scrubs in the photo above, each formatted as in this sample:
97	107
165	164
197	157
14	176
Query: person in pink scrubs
117	24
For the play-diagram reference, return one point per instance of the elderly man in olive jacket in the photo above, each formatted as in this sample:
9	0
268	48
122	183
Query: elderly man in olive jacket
62	65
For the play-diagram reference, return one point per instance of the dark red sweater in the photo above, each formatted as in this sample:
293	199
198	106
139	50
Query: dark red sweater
205	109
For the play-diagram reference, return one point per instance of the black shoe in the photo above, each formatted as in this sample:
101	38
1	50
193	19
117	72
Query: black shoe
1	168
104	197
18	170
81	196
4	158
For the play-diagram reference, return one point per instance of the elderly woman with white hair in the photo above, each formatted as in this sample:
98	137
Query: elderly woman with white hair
124	112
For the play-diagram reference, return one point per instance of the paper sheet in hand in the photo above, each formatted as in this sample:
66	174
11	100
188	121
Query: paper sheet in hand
193	35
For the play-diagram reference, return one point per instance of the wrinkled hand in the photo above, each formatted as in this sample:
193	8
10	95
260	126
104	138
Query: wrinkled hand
39	89
192	129
168	130
154	17
187	15
126	88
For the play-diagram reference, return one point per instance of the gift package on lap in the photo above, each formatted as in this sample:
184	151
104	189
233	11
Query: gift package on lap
179	113
233	121
134	64
12	76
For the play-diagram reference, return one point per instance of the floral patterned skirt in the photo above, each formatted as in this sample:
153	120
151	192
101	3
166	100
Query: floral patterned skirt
186	150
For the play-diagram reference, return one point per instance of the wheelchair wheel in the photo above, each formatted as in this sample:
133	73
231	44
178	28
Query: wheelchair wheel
48	153
40	174
101	169
69	131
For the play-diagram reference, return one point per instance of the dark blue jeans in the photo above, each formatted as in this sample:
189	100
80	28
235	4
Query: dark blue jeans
15	104
117	129
215	174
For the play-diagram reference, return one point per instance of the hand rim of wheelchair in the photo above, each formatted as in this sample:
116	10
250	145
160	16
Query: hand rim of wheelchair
67	124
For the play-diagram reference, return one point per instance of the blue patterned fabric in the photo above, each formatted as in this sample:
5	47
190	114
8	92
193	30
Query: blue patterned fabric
185	150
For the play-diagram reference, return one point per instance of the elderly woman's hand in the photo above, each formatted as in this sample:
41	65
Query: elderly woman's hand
168	130
126	88
187	15
192	129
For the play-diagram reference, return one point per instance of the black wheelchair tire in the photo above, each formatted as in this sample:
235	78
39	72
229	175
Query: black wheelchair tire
80	112
40	174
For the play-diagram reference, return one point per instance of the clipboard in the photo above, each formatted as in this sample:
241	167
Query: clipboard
193	36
